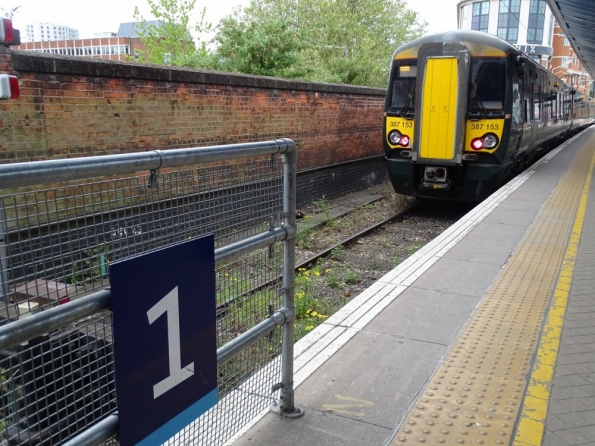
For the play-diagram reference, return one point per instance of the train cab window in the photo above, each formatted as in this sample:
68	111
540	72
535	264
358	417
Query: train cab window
487	86
402	99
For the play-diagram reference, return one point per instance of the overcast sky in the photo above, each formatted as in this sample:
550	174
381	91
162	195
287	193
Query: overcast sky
106	15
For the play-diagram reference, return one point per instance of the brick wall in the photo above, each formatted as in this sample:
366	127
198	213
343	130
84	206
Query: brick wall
78	107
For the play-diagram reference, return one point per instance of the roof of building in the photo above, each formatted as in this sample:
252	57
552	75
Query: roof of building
130	29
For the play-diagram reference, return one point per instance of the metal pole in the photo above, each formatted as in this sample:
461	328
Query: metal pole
3	257
285	406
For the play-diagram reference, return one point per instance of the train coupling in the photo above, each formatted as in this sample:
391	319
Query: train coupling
435	178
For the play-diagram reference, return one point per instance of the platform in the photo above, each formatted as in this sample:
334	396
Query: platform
484	336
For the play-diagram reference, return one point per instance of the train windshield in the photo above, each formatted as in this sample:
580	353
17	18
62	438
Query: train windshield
487	87
402	98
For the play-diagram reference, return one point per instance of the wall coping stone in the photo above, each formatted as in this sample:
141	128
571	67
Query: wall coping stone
27	61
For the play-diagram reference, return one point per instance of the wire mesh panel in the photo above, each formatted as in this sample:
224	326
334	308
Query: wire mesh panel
56	244
58	384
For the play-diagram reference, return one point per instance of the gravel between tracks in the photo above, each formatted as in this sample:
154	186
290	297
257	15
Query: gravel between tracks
325	287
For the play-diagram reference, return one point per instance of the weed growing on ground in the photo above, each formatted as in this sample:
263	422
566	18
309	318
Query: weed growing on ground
324	207
337	252
415	247
311	309
304	237
350	277
333	279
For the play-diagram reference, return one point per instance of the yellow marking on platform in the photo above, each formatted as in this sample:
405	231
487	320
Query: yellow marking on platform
477	393
345	409
534	410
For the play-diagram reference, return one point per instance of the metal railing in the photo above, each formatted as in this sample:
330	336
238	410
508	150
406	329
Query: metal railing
58	236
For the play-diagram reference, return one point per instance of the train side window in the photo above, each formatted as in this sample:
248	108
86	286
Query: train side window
537	102
403	86
487	83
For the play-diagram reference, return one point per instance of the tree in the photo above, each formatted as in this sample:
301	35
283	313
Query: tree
344	41
9	13
171	43
271	48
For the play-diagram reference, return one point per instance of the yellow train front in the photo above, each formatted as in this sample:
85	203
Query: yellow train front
465	109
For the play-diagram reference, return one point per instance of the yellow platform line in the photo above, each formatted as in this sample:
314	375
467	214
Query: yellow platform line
533	414
480	388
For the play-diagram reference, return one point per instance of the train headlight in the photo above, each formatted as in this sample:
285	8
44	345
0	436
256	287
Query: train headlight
487	141
397	139
490	141
394	137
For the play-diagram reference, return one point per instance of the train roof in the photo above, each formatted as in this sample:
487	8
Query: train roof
477	42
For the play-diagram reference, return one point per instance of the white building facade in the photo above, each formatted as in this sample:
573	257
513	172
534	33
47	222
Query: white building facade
527	24
47	32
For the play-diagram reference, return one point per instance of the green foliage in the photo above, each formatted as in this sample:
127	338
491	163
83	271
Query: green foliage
269	49
416	246
304	236
337	252
9	13
333	278
93	265
350	277
323	205
341	41
171	43
309	307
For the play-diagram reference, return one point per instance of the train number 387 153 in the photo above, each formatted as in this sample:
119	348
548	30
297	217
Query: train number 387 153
397	124
478	126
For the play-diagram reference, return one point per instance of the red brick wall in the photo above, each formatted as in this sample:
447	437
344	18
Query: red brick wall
77	107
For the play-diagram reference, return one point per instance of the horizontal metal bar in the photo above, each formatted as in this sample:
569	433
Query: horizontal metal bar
20	331
16	332
235	251
97	434
41	172
246	339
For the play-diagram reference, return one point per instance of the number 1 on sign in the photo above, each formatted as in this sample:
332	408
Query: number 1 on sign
177	374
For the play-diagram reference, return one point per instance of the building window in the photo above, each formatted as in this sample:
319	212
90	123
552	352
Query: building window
463	22
508	20
481	13
565	61
536	21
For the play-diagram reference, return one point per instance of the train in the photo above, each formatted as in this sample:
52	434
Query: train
465	111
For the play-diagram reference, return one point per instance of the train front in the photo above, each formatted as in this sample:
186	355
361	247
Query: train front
445	117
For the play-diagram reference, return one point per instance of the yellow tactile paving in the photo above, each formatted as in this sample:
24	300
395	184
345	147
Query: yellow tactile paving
477	393
534	411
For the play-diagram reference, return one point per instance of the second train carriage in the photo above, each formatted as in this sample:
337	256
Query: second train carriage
465	109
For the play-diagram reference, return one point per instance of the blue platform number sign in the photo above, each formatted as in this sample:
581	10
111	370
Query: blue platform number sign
165	352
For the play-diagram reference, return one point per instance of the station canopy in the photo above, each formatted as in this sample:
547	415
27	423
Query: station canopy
577	20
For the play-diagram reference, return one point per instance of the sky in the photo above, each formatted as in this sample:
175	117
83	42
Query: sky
91	17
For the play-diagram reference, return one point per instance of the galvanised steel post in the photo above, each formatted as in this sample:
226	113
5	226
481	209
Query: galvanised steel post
3	257
285	405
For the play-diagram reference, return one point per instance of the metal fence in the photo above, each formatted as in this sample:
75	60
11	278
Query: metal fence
61	224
